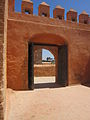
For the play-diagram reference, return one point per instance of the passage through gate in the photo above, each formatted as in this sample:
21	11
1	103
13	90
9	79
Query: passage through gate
61	65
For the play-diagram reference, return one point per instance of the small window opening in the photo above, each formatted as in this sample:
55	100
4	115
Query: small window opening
59	17
85	22
44	14
73	19
27	12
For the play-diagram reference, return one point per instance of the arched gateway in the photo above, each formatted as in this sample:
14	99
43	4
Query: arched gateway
59	49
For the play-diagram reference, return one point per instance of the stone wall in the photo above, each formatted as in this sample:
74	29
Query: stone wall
44	70
3	20
38	56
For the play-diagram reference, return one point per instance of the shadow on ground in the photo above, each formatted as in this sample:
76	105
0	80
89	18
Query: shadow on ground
86	84
46	85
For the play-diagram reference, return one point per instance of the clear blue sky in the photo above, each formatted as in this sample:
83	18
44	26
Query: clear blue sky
46	53
78	5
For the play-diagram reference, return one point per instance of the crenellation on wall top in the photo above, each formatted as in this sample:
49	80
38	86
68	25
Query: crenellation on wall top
84	18
44	9
72	15
27	7
58	11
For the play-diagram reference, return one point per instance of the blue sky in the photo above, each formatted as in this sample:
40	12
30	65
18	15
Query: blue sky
78	5
46	53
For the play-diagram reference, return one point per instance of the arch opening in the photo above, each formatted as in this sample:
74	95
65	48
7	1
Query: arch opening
44	14
59	17
58	47
48	39
85	21
44	67
27	11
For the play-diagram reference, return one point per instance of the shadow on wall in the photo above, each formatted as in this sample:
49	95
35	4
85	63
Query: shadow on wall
87	74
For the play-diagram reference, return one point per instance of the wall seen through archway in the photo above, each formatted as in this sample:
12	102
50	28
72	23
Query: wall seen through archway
44	66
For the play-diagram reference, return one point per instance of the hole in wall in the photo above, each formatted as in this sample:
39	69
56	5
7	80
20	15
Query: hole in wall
27	12
85	22
44	14
73	19
59	17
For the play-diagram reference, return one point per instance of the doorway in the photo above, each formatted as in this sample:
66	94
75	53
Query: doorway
61	68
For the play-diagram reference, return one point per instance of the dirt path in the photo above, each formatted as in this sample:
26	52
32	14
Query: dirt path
70	103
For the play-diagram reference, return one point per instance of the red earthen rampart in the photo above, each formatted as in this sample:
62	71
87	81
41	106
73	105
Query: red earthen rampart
23	29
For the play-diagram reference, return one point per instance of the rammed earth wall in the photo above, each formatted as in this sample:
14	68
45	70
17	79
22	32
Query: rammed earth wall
3	34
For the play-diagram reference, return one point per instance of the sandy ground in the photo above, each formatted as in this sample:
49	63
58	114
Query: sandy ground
69	103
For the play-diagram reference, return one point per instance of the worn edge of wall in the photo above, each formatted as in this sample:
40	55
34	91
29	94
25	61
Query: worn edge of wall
3	37
5	53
